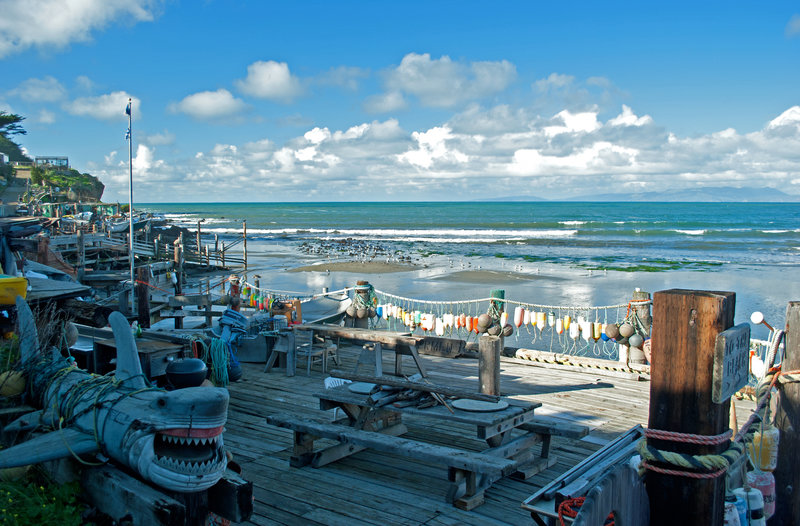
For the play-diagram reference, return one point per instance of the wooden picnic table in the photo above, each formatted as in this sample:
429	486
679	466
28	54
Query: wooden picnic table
402	343
509	433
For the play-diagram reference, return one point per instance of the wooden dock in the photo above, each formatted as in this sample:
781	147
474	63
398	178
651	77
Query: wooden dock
378	488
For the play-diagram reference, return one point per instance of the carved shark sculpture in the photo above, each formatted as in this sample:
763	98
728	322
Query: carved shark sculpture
171	438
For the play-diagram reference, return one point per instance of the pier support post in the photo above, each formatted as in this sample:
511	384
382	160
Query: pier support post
199	246
81	256
143	296
179	281
244	241
489	364
787	419
685	328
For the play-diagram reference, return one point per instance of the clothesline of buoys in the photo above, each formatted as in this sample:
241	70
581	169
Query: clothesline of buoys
571	329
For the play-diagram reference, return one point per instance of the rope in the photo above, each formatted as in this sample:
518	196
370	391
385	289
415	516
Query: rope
720	463
499	300
687	438
570	508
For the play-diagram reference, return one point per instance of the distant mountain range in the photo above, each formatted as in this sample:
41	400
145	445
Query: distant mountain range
709	194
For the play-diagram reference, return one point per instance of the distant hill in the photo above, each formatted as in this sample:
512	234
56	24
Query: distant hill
708	194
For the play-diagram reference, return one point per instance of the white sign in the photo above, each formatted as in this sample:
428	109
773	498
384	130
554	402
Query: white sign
731	362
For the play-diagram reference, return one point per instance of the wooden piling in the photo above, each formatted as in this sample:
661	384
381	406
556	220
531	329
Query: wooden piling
685	328
244	241
489	365
199	246
178	267
787	419
81	256
143	297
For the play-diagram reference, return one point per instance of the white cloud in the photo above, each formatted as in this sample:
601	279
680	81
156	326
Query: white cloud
385	102
108	106
346	77
209	105
158	139
628	118
444	83
514	150
46	117
554	81
270	80
432	147
567	122
47	89
84	83
793	27
57	23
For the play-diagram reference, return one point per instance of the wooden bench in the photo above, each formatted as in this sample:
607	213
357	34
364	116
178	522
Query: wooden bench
470	473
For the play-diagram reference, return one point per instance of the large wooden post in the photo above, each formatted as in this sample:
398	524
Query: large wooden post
178	267
199	245
685	328
143	296
244	242
787	419
489	365
81	255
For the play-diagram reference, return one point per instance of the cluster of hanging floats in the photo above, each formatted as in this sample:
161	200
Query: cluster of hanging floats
570	329
521	318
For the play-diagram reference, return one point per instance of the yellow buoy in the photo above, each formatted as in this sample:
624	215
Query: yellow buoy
12	383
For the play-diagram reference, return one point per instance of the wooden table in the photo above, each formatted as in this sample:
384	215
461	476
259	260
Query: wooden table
402	343
154	355
470	472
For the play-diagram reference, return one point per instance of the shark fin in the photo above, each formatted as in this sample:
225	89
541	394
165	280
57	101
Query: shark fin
28	336
128	365
54	445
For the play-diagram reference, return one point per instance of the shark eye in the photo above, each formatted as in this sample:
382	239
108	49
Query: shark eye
161	402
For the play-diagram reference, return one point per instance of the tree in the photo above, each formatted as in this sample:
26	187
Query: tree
37	175
9	124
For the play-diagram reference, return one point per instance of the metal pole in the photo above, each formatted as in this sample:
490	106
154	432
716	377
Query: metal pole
130	191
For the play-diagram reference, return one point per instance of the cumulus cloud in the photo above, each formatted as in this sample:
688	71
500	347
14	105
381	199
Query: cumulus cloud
108	106
385	102
554	81
519	151
47	89
57	23
209	105
270	80
446	83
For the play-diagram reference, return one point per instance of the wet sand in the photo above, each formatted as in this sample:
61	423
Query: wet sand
492	277
357	267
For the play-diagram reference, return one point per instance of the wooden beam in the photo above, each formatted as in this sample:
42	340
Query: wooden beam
119	495
787	418
416	386
685	328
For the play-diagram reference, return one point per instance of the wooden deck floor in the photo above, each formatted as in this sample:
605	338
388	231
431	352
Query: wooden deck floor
376	488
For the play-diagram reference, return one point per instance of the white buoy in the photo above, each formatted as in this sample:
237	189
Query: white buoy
526	317
519	315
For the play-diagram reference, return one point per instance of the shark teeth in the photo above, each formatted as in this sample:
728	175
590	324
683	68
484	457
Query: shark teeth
188	455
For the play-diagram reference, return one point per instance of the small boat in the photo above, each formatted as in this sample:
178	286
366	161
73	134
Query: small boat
122	225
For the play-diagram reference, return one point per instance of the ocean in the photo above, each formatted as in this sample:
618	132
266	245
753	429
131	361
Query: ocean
572	253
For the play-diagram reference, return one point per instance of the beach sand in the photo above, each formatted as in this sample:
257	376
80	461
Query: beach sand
356	267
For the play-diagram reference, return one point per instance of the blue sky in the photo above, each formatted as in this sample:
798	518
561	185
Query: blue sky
294	101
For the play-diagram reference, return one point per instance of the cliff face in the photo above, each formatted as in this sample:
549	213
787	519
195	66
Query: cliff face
78	186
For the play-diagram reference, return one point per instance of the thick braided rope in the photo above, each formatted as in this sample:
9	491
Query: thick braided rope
688	438
717	462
